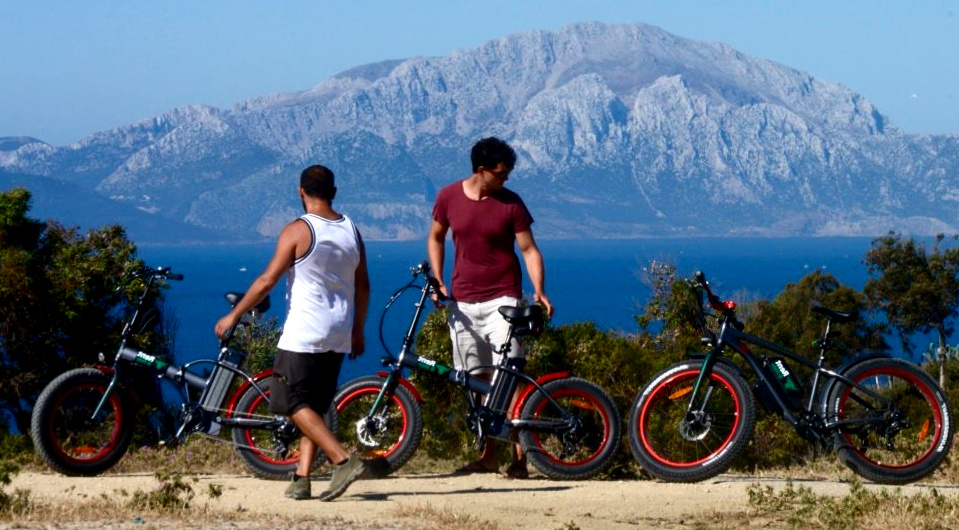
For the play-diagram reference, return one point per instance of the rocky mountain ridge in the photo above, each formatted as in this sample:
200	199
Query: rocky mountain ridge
622	131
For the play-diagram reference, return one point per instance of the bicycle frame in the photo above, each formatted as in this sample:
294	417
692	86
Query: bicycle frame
732	336
471	384
199	413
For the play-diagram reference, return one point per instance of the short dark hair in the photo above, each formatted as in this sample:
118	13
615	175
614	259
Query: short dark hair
491	152
317	181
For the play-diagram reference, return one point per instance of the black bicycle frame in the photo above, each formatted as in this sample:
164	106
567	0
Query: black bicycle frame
213	388
462	378
731	336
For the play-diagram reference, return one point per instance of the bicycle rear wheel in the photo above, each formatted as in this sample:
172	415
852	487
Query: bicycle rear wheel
896	442
270	453
67	436
675	447
576	449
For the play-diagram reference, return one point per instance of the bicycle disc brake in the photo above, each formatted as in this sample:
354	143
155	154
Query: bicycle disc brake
696	427
367	429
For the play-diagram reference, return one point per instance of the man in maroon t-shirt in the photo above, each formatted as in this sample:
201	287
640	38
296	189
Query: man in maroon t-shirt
487	220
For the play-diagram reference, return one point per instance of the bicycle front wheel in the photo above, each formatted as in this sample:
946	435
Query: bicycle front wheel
895	441
65	433
389	431
273	450
678	447
584	434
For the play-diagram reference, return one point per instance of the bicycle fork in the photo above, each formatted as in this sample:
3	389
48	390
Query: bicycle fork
369	427
697	422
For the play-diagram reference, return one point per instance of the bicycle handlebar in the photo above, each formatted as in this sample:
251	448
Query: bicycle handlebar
714	301
423	268
726	307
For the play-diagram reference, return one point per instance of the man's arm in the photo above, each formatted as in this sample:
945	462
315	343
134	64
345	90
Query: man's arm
535	268
361	303
283	256
436	251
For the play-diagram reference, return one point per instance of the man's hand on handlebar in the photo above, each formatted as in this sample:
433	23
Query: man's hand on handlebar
440	294
225	324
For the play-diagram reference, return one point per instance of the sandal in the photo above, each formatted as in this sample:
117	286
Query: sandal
516	470
474	467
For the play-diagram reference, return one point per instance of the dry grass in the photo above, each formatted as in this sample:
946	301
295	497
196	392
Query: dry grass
200	455
860	508
174	503
798	507
792	507
203	456
828	467
426	514
116	513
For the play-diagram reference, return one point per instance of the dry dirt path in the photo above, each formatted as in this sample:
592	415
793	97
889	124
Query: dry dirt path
534	503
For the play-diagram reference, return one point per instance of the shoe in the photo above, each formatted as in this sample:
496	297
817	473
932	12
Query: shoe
344	475
299	488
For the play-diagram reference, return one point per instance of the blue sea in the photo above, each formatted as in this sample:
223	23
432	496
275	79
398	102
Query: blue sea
594	280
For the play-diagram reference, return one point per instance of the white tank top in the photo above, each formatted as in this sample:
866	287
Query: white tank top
320	289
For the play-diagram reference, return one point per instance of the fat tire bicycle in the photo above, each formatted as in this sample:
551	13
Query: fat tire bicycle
568	427
83	420
887	420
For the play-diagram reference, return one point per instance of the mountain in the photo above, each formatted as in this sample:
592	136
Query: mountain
74	206
621	130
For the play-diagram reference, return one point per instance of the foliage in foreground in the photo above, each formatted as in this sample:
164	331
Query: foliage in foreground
11	504
172	493
800	507
59	297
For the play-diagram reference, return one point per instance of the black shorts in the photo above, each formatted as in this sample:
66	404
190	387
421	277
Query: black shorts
304	380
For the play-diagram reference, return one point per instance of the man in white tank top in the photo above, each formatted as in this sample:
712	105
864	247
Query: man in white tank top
328	292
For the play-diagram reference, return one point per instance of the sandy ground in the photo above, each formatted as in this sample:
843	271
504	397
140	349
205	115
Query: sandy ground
533	503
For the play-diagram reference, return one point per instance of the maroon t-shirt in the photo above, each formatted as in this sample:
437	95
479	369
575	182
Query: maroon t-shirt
485	266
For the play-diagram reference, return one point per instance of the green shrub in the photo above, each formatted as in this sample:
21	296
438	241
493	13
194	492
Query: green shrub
775	444
16	503
15	448
259	341
445	434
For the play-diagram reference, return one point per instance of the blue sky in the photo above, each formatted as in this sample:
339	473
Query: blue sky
69	69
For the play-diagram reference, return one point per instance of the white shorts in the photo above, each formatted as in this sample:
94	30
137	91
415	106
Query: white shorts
478	331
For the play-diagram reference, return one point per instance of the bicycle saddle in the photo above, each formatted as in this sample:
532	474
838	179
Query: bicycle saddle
524	320
836	316
262	307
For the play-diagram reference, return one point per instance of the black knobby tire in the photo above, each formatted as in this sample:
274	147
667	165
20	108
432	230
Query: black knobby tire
64	432
575	454
672	449
390	437
917	443
268	453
